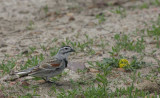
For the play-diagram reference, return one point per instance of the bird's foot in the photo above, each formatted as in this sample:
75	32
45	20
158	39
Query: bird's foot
57	84
49	81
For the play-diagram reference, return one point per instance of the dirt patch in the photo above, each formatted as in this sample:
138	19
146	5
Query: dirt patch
149	86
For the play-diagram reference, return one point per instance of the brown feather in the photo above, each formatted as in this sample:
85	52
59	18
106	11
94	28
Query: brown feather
55	65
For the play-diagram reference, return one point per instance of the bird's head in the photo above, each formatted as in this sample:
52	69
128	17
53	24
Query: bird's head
64	52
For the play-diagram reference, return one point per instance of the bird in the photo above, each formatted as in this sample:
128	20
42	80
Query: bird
49	67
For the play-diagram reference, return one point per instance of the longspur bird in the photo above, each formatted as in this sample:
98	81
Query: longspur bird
50	67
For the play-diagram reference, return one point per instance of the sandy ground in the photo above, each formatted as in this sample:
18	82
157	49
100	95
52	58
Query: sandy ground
25	23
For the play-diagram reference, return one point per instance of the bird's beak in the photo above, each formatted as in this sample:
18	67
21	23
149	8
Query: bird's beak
72	50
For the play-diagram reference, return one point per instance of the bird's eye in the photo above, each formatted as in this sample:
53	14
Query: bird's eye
65	48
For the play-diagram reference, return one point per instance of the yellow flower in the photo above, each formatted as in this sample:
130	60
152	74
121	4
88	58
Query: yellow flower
123	63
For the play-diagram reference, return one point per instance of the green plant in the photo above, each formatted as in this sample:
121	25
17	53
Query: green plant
144	5
135	63
30	25
7	67
43	47
45	8
114	62
32	62
102	91
124	42
129	92
35	87
66	43
102	44
91	51
32	49
101	18
28	95
155	32
121	11
111	62
53	51
82	46
156	2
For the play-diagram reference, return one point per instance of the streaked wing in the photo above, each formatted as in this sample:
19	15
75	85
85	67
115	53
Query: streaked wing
48	64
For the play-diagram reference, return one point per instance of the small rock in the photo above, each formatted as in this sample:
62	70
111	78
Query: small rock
3	45
24	12
71	18
28	78
71	75
25	52
121	69
25	83
127	83
87	65
25	42
93	70
70	14
12	83
41	81
3	50
149	86
99	54
76	65
92	24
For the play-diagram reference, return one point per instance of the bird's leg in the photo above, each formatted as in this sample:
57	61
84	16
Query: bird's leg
47	79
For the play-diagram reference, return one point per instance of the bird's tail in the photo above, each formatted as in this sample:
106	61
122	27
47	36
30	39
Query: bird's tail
16	75
24	72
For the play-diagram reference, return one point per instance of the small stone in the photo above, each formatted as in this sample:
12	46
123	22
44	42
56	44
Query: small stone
25	43
12	83
93	70
25	83
99	54
3	45
149	86
121	69
70	14
3	50
71	75
92	24
71	18
25	52
76	65
41	81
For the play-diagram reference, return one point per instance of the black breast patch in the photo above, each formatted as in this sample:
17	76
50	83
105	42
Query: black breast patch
66	62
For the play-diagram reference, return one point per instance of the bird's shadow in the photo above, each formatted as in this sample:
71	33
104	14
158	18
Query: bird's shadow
56	83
